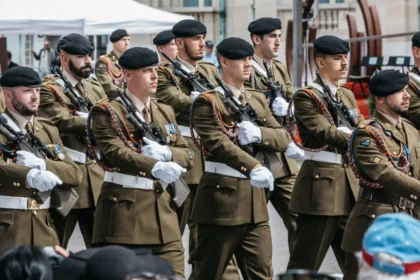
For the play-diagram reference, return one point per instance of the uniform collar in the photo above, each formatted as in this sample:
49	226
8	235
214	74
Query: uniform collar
390	119
137	102
73	81
190	67
236	92
259	60
20	120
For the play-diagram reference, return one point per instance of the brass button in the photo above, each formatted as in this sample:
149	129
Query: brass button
115	199
34	213
345	164
316	176
361	126
17	184
266	143
218	187
242	168
264	120
245	169
373	216
409	173
131	135
37	129
415	197
14	184
411	196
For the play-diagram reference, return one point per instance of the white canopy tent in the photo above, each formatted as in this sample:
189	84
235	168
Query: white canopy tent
88	17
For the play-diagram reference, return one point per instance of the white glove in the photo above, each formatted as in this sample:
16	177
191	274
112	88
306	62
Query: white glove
261	177
167	172
294	152
280	107
345	129
194	94
30	160
82	114
248	133
155	150
42	180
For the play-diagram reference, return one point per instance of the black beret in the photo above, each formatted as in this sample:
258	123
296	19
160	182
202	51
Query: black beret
20	76
209	44
264	25
188	28
416	39
235	48
387	82
73	267
164	37
118	35
329	44
138	57
75	44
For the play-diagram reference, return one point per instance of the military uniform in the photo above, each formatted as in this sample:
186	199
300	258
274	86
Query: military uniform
23	221
414	90
384	188
280	197
2	101
109	74
58	108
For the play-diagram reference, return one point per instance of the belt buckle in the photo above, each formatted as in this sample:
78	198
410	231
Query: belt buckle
402	205
33	204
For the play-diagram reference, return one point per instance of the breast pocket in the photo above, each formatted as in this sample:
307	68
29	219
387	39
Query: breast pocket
320	183
116	213
225	196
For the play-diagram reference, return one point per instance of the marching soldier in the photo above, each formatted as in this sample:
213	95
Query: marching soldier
132	211
57	106
179	94
265	35
165	42
107	70
230	206
23	220
385	157
325	188
414	84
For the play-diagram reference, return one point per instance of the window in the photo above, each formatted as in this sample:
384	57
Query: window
324	1
190	3
339	1
208	3
28	49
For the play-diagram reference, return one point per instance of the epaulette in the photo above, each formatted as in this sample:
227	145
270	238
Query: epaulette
206	63
407	121
169	74
50	78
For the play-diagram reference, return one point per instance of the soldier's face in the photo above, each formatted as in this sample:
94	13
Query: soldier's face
170	49
238	69
142	81
270	44
80	65
399	101
194	47
24	100
122	45
333	66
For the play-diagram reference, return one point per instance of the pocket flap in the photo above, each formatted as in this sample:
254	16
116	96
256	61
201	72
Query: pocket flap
219	181
119	195
6	217
319	173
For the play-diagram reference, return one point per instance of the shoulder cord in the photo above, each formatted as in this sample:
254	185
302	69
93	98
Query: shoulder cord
116	77
117	122
404	156
230	130
169	75
414	87
60	99
290	117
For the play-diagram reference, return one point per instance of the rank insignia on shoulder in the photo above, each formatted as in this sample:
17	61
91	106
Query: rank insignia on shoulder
376	159
365	143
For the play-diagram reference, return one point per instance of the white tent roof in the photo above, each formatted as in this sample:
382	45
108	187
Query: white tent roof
89	17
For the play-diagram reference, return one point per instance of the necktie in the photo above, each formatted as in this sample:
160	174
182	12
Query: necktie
28	127
80	89
399	126
242	99
146	114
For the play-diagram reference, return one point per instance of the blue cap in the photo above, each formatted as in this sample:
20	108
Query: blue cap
396	235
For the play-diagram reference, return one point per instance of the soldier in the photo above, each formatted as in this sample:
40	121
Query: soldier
414	85
385	157
23	220
57	106
265	35
325	188
165	42
230	206
107	69
131	210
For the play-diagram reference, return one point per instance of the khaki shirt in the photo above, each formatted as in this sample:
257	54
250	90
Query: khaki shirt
109	74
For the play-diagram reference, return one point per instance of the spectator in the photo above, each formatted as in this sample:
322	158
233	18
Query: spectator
391	249
210	55
10	63
46	57
25	263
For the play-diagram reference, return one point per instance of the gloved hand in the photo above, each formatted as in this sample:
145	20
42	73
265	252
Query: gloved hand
82	114
248	133
30	160
345	129
280	107
167	172
42	180
194	94
261	177
155	150
294	152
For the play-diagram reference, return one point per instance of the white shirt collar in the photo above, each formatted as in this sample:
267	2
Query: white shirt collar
191	67
21	121
390	119
137	102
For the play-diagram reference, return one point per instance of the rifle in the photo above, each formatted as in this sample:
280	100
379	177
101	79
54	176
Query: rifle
81	104
40	150
276	90
152	132
198	81
342	112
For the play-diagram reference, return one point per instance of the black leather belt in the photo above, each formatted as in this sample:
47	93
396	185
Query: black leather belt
382	196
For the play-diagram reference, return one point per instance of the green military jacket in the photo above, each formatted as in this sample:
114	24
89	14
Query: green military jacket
224	200
323	188
109	74
377	168
414	91
34	226
175	92
135	216
57	107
